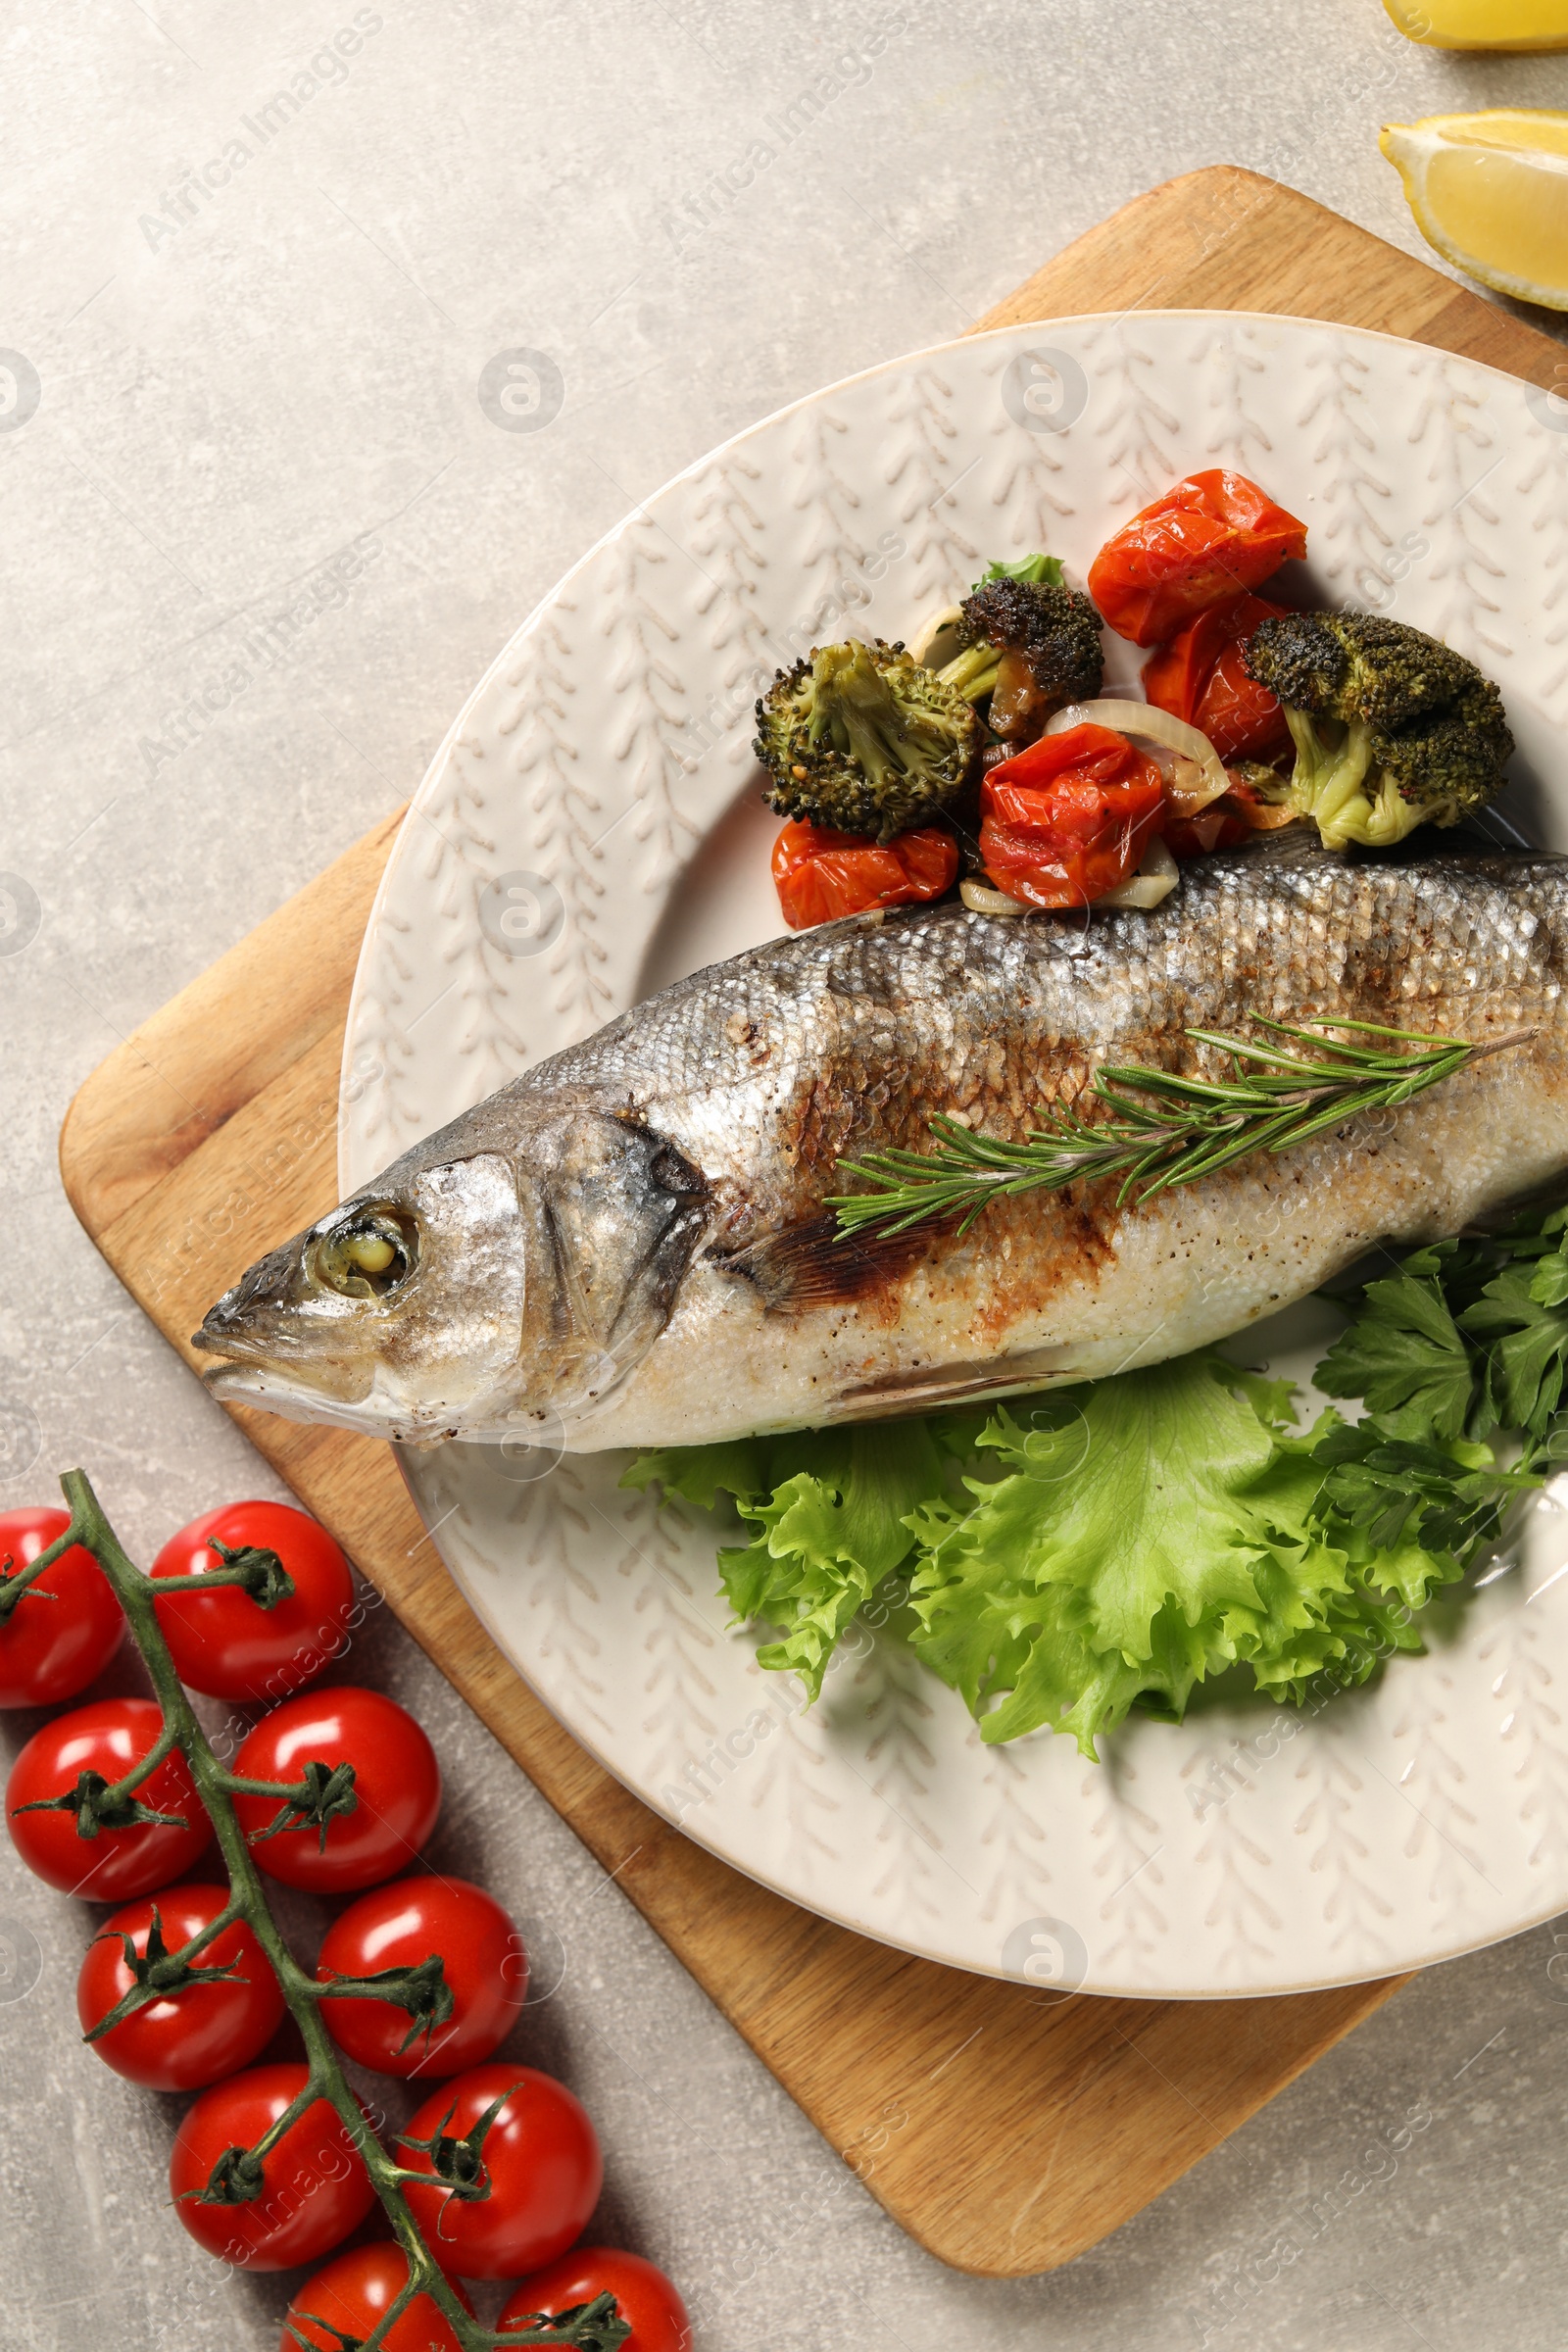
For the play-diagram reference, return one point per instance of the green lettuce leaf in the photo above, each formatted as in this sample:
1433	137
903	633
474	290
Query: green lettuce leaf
1152	1530
700	1473
1116	1543
831	1509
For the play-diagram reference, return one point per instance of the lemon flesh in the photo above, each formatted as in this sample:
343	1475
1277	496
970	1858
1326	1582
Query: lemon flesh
1483	24
1489	191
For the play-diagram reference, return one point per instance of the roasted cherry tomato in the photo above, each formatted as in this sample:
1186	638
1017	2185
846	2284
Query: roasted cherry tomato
1200	676
390	1810
354	2291
543	2161
486	1971
52	1648
646	2298
1210	538
228	1644
822	874
190	2037
1069	818
314	2185
96	1745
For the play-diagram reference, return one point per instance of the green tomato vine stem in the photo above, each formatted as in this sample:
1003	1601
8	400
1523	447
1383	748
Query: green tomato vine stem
158	1972
595	2327
17	1581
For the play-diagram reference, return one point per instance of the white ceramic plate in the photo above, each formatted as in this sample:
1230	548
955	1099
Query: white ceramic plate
589	833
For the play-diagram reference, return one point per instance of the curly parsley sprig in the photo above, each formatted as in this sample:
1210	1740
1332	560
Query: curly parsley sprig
1462	1348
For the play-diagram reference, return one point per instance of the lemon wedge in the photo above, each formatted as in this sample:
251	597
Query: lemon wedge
1483	24
1491	192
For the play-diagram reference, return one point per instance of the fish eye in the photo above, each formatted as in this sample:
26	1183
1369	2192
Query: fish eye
369	1254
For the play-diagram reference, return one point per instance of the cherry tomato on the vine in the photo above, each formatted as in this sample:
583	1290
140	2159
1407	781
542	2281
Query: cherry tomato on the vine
99	1744
224	1641
395	1798
190	2037
50	1649
314	2185
542	2158
647	2300
485	1968
354	2291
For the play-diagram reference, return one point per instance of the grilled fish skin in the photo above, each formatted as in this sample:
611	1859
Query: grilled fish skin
627	1246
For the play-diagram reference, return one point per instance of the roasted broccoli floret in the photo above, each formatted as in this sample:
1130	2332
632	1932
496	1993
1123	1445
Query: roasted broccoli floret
1031	643
1392	728
862	738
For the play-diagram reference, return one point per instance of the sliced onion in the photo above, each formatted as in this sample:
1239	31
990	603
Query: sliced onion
1156	877
1186	776
981	899
1156	726
925	641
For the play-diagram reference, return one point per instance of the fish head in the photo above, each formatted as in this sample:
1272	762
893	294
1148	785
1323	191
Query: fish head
474	1291
397	1314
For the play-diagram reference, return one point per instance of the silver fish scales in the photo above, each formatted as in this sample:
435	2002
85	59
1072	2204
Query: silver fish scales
629	1244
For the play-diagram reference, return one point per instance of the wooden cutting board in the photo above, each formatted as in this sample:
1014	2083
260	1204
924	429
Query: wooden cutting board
1005	2132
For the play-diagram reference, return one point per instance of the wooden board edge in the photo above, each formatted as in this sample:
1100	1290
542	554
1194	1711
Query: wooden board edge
1037	296
1344	2008
1222	210
1460	305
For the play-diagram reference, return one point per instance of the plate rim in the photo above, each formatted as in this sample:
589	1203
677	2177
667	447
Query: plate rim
413	814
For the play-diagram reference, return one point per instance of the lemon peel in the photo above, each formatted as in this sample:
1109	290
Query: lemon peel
1483	24
1490	193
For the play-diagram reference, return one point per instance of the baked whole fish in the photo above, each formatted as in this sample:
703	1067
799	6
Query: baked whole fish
628	1244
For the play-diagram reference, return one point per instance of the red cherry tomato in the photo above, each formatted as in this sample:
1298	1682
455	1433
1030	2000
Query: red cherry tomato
1200	676
646	2299
822	874
352	2294
1210	537
188	2038
1069	818
50	1650
224	1641
397	1788
543	2162
106	1739
314	2188
397	1927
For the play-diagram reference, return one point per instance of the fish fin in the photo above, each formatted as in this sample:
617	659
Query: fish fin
1552	1194
813	1264
923	1391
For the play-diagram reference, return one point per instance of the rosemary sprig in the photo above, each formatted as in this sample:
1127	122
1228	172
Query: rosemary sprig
1164	1128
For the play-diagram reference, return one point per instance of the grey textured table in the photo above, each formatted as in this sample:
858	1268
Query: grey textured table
254	333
